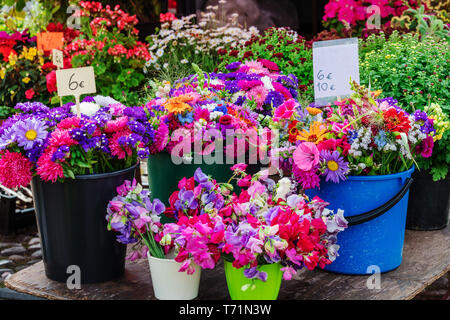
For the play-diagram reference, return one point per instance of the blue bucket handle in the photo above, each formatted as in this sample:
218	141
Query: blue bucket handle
372	214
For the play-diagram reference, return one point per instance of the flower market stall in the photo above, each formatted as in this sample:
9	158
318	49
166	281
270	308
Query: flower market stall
207	159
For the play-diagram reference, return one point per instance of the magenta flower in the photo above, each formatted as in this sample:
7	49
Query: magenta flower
425	148
306	156
285	110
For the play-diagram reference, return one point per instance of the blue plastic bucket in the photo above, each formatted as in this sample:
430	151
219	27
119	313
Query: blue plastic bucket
375	207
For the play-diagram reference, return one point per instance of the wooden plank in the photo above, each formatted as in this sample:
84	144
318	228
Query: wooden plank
426	258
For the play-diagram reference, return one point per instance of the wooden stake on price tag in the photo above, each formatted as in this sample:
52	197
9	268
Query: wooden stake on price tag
77	101
58	61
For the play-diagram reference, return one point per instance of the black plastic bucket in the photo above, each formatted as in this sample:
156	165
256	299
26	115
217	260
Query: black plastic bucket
429	203
73	229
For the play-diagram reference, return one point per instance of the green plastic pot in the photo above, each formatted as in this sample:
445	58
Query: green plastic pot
242	288
164	175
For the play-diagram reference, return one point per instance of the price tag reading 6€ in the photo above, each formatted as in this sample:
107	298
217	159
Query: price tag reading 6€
75	82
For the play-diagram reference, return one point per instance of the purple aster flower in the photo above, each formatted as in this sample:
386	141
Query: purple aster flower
30	131
335	166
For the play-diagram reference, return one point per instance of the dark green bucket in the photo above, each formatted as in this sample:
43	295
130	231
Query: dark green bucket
164	175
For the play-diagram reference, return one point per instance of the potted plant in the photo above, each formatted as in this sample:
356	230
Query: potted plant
271	231
429	206
74	164
176	251
364	150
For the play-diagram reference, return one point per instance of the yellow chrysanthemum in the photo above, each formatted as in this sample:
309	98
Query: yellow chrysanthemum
315	134
26	80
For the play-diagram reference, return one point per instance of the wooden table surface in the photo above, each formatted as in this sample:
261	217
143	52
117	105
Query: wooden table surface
426	257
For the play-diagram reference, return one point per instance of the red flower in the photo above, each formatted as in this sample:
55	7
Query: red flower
225	119
278	55
48	66
222	51
6	51
248	54
51	81
233	53
29	94
396	121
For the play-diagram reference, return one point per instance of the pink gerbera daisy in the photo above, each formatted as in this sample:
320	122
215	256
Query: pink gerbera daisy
15	170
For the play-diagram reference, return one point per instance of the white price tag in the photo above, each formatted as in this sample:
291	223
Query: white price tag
58	58
335	63
76	81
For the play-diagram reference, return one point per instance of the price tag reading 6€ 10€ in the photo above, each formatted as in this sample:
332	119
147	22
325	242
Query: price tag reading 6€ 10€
335	62
75	82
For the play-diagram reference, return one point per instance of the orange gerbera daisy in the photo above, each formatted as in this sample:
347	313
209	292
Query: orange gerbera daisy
178	104
315	134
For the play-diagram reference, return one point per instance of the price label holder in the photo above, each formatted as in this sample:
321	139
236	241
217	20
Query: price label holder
335	64
47	41
58	61
58	58
75	82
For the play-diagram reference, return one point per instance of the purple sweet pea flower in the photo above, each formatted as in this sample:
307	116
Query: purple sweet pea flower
199	176
252	273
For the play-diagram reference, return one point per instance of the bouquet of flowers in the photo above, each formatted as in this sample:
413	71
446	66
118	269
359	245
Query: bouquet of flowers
194	237
136	218
193	119
56	144
270	223
358	136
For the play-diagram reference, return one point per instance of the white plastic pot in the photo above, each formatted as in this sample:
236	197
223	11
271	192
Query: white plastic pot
169	283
